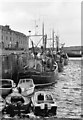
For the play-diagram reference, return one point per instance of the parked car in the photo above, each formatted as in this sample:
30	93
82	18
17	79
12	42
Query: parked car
43	104
27	86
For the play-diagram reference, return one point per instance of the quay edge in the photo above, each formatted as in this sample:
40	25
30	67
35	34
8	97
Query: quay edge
52	118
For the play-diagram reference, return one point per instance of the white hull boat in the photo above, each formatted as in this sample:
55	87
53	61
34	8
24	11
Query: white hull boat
44	104
27	86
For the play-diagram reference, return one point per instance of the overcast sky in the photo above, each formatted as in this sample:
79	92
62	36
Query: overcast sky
62	15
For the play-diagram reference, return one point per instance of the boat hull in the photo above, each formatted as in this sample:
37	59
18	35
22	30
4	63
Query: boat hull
65	61
60	66
6	86
40	79
28	92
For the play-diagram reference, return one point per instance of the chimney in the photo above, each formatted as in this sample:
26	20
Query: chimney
7	27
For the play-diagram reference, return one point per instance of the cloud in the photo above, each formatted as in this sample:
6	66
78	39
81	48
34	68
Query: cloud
64	16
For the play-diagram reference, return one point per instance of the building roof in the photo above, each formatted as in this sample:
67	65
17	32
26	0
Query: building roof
7	28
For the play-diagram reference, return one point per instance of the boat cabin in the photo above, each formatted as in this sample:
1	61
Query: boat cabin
43	97
26	83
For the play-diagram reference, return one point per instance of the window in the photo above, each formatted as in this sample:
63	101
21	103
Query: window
10	39
10	33
40	97
48	97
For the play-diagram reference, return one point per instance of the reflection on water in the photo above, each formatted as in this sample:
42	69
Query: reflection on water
67	91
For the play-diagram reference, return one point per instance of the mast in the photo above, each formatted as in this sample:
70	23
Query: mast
43	34
53	38
45	41
57	43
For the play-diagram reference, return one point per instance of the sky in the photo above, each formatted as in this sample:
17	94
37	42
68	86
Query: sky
64	16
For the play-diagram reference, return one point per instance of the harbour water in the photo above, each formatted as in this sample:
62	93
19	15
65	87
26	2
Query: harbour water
67	91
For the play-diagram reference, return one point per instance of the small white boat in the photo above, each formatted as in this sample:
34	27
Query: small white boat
6	86
43	104
27	86
2	103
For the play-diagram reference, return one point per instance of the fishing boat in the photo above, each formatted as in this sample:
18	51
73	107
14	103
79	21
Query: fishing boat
66	59
44	104
43	70
40	78
27	86
60	61
64	55
58	57
6	86
61	56
16	104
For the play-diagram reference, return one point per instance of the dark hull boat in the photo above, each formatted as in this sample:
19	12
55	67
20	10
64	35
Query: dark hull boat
66	61
60	66
60	62
65	57
72	54
40	78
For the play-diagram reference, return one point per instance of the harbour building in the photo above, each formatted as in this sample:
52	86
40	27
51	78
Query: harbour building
10	39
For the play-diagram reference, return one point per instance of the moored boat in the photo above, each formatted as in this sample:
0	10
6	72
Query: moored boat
6	86
43	70
64	55
27	86
16	104
40	78
44	104
60	61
